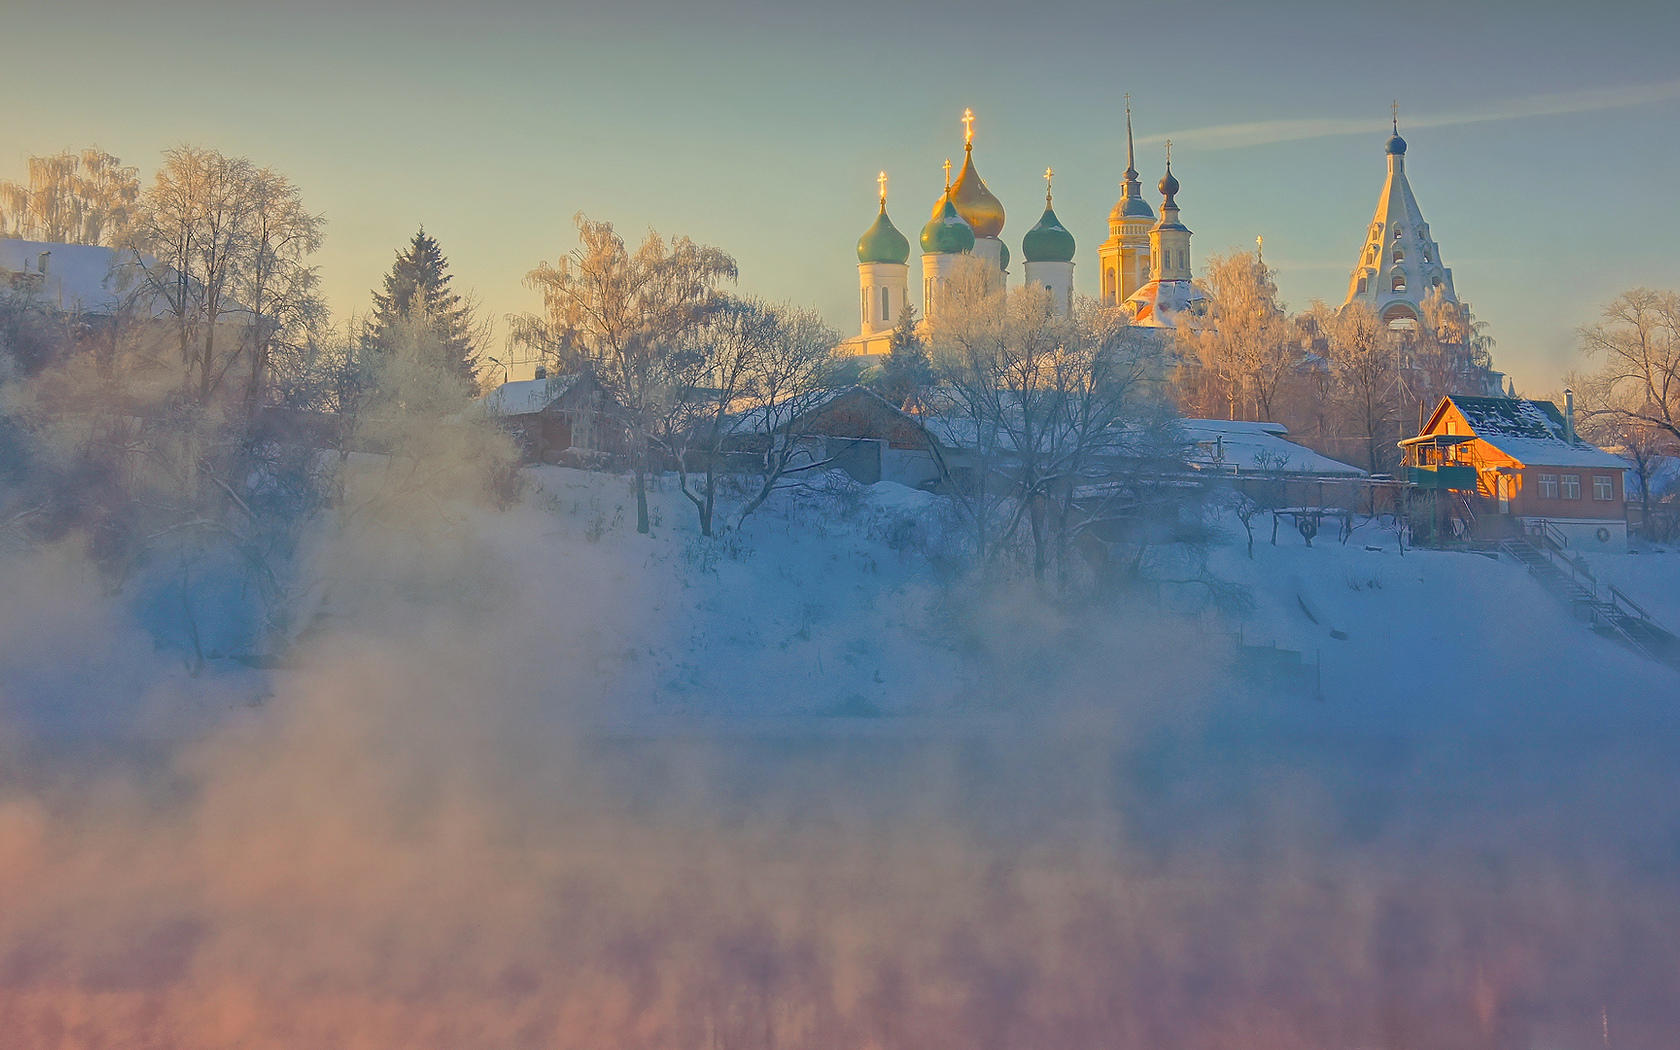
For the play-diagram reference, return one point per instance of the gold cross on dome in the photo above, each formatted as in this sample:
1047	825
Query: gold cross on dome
947	173
1049	173
881	180
1169	153
1394	108
968	127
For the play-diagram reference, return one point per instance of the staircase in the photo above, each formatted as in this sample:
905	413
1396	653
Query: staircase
1616	616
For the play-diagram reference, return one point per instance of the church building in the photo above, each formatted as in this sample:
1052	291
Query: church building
1400	264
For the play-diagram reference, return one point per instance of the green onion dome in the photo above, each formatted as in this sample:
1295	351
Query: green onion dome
1049	241
947	233
882	243
1003	257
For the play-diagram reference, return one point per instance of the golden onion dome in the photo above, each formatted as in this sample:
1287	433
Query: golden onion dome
974	201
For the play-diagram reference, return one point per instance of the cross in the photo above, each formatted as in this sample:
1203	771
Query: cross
881	180
1259	245
947	174
968	127
1169	153
1395	109
1049	173
1128	103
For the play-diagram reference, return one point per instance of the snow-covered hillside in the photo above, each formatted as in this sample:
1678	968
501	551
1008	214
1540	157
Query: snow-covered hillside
529	779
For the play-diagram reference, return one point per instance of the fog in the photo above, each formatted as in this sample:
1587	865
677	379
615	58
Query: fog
457	815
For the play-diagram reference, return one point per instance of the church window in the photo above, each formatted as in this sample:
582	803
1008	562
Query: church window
886	305
1436	281
1398	231
865	305
1399	283
1362	285
1399	255
1428	256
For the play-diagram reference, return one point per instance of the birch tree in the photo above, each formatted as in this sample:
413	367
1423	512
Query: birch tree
70	198
1245	341
624	316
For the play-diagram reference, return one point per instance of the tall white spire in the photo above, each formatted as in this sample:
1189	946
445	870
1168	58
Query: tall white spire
1400	264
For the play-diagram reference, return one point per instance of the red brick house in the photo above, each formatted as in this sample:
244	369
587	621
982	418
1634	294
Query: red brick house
1513	464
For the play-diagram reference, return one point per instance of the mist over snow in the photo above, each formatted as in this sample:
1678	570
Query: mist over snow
530	780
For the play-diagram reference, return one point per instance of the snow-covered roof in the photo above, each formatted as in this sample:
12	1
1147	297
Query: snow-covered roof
1159	304
79	277
1530	432
526	396
1247	446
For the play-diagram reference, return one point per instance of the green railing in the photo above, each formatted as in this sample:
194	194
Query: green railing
1451	476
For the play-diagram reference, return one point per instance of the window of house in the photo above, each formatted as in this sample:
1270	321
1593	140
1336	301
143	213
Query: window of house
1603	487
1572	486
1548	486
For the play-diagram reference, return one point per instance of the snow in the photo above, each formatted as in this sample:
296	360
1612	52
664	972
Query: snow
526	396
79	276
1256	446
1530	432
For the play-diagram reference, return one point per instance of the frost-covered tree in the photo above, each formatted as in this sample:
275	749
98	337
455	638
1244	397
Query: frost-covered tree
417	290
1243	348
1039	400
221	247
626	317
70	198
1362	361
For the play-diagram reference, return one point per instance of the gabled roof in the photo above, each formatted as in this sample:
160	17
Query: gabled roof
1530	432
527	396
1239	445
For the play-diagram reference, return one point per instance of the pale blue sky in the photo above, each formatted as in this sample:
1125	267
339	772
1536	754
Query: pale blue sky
1543	144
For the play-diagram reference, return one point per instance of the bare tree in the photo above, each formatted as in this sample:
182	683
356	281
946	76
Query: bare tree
1245	341
1638	343
787	381
625	317
1363	368
1040	399
70	198
220	246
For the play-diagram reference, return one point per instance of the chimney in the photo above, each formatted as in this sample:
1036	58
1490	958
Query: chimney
542	372
41	262
1569	415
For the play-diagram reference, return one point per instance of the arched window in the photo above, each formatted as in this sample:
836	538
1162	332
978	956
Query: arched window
1399	283
1428	256
1397	232
1436	281
1363	284
864	305
1399	255
886	305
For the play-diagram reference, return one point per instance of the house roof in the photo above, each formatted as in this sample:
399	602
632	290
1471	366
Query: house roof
1530	432
526	396
78	277
1247	446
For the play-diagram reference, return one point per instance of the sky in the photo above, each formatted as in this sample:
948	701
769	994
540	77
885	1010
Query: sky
1542	135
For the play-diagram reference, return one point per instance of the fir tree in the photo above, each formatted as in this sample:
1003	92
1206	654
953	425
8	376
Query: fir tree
417	292
907	369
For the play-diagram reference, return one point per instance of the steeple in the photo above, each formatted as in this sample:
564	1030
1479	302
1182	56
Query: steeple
1123	259
1400	263
1169	240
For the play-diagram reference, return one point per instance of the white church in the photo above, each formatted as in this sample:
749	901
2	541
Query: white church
1144	266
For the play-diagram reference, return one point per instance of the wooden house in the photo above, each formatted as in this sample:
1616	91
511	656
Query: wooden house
1503	465
558	419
